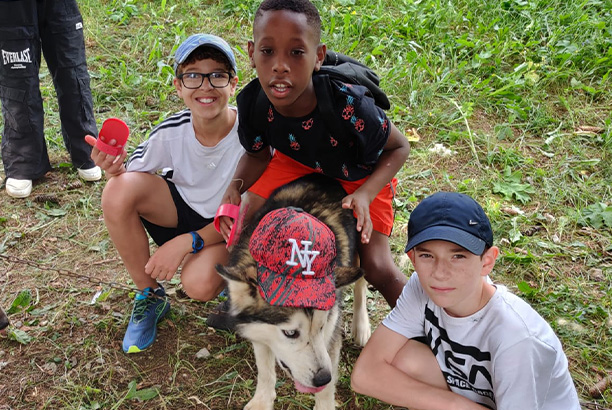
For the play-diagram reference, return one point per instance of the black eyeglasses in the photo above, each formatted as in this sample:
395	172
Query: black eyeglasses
195	80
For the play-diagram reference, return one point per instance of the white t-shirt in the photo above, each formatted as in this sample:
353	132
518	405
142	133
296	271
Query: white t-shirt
505	356
201	174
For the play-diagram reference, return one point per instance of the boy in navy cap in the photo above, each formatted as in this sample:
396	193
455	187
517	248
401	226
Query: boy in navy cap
455	340
200	147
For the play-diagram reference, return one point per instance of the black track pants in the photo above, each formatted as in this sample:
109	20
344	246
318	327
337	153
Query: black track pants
54	27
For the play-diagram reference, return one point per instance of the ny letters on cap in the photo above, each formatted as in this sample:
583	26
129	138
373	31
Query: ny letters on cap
296	257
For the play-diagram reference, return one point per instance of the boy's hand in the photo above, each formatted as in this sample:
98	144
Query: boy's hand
360	204
167	258
112	165
231	196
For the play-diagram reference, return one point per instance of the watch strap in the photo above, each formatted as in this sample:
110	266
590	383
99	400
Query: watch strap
197	243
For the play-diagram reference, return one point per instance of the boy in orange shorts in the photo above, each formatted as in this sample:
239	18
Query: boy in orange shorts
285	51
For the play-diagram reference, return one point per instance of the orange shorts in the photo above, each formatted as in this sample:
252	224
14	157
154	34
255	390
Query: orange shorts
282	170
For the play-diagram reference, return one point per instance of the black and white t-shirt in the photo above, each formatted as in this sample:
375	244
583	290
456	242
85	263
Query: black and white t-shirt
201	174
505	356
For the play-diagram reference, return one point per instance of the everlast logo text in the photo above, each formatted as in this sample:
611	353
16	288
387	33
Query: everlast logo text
10	57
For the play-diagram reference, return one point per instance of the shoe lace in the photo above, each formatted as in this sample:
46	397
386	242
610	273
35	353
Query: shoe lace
140	309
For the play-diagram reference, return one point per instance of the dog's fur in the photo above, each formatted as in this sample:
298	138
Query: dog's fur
304	342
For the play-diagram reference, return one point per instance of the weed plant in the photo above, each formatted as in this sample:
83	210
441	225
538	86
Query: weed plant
506	101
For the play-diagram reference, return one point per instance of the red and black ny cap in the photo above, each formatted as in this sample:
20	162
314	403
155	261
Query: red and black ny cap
296	257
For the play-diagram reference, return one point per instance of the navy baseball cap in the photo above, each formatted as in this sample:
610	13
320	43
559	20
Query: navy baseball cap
210	40
453	217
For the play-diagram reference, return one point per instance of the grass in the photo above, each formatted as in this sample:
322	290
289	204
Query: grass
517	92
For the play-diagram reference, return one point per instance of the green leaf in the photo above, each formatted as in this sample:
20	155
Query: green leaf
56	212
22	301
141	395
526	289
19	336
607	217
597	215
514	235
101	296
465	43
514	190
519	257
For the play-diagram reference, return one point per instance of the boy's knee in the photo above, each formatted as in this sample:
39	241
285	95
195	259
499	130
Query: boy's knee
360	377
113	191
118	195
386	277
383	273
377	261
200	290
418	362
356	380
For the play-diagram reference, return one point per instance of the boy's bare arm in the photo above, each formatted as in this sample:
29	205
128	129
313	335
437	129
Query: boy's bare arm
394	156
375	375
249	169
164	263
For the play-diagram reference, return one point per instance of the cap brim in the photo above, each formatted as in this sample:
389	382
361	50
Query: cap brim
451	234
296	291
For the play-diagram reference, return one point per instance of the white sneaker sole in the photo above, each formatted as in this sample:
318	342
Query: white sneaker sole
18	188
91	174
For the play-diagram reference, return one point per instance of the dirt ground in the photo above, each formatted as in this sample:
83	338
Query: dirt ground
55	248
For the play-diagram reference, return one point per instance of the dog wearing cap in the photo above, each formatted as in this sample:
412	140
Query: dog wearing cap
285	279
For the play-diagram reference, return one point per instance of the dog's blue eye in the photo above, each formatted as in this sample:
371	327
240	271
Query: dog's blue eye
291	334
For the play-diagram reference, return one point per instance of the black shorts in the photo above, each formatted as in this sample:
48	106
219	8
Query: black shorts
188	220
421	339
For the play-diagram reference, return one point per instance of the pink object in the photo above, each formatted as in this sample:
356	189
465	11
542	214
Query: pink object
235	212
113	129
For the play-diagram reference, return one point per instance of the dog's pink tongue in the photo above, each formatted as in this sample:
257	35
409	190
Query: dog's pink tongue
304	389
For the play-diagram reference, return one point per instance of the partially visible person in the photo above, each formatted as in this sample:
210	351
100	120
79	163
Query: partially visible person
54	27
199	148
4	321
455	340
364	153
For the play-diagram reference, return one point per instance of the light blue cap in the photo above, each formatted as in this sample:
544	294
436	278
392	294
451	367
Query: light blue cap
197	40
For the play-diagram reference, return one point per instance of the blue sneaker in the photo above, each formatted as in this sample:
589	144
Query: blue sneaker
142	329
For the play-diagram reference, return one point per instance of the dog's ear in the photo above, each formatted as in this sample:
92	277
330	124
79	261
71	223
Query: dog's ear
345	275
231	272
238	273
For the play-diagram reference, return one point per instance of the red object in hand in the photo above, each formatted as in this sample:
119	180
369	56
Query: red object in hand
112	129
235	212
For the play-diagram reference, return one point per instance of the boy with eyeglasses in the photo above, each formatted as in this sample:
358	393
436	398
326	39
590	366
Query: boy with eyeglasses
199	150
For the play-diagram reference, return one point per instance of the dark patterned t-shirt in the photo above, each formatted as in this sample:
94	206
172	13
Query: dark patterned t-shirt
308	140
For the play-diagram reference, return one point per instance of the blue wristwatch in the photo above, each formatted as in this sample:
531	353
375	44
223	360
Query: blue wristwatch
197	243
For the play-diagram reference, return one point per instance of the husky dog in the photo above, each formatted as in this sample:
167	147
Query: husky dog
285	277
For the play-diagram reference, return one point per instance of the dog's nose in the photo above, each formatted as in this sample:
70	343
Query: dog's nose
321	378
